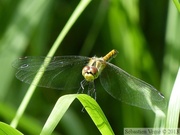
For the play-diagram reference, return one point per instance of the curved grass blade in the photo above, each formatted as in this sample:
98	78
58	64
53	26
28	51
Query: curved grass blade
96	114
90	106
174	105
5	129
177	3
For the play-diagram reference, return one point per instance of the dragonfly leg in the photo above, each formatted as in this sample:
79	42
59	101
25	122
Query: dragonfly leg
82	85
79	90
92	90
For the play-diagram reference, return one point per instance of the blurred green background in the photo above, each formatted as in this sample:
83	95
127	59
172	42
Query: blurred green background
144	32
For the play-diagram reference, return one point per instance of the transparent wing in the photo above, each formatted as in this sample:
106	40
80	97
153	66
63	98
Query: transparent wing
63	72
122	86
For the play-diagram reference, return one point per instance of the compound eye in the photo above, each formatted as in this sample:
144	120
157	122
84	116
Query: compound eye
86	69
90	73
93	70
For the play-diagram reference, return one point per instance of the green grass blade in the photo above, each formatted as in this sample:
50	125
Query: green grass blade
5	129
177	3
174	105
82	5
160	119
90	106
171	56
96	114
58	111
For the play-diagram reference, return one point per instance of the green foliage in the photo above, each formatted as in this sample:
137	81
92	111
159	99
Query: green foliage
89	105
174	107
177	3
148	49
8	130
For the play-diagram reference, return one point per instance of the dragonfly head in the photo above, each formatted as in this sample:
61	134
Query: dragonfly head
90	73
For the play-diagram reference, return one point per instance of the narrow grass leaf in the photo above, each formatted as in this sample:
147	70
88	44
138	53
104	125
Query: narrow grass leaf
58	111
5	129
174	105
96	114
177	3
160	118
90	106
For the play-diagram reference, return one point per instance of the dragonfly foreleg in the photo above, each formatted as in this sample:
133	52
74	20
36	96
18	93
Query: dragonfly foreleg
82	85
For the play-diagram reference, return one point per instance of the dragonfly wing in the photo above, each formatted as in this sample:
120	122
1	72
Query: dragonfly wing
62	72
122	86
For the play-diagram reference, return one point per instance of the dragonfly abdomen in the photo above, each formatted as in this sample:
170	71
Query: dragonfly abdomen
112	54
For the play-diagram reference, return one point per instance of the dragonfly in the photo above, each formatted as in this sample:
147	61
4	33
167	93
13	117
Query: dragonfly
80	72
